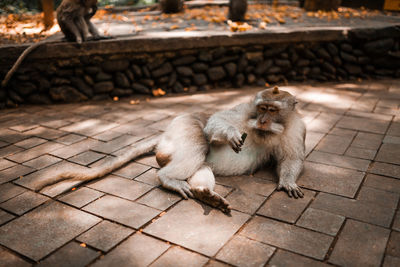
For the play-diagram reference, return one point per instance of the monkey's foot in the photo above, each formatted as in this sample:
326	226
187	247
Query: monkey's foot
211	198
292	189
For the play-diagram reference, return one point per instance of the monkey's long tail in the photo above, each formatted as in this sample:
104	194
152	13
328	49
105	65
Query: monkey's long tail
18	62
140	149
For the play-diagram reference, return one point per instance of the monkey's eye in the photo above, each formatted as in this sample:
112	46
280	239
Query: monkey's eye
272	109
262	108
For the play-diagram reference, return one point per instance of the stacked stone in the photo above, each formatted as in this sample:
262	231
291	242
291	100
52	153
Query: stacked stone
100	77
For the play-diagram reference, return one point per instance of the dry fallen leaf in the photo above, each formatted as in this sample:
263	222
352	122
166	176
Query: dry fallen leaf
83	245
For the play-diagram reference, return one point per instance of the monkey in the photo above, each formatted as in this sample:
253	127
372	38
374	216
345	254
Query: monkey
197	147
73	17
171	6
237	10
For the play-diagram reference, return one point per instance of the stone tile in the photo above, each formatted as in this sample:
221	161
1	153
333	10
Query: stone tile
360	244
312	139
361	153
323	123
89	127
391	261
3	144
121	187
248	184
71	254
148	160
105	235
266	173
11	136
343	132
369	115
339	161
394	129
213	263
24	202
241	251
31	142
107	135
208	233
35	152
367	141
179	257
149	177
45	229
383	183
75	149
70	139
391	139
18	171
46	133
24	126
280	206
330	179
396	222
132	170
81	197
159	199
138	250
5	217
86	157
321	221
356	209
389	153
55	124
116	144
222	190
4	164
385	169
393	247
123	211
42	162
284	258
334	144
8	259
288	237
9	190
245	201
10	150
379	197
363	124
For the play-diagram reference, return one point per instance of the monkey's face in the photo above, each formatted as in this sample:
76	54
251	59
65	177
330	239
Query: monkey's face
266	114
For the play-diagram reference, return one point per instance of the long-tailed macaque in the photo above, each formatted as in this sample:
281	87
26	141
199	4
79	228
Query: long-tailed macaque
73	17
196	147
237	10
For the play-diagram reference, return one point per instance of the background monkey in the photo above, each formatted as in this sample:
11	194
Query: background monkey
196	147
237	10
73	17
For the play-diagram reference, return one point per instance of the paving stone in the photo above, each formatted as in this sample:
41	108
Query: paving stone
105	235
389	153
5	217
75	149
363	124
4	164
11	136
71	254
138	250
116	144
339	161
18	171
267	173
186	225
284	258
70	139
89	127
121	187
123	211
343	132
24	126
379	197
46	133
31	142
35	152
391	139
55	124
361	153
367	141
42	162
391	261
23	202
213	263
3	144
323	123
148	160
107	135
132	170
360	244
356	209
330	179
241	251
334	144
321	221
149	177
394	129
312	139
244	201
288	237
10	150
369	115
10	190
222	190
86	157
159	199
249	184
45	229
393	246
385	169
9	259
179	257
81	197
396	222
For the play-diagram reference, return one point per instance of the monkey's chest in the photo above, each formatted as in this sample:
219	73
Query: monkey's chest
225	162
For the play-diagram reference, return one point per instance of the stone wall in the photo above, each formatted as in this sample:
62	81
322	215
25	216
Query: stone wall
97	76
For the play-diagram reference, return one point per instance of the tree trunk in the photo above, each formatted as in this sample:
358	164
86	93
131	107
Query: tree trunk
48	10
325	5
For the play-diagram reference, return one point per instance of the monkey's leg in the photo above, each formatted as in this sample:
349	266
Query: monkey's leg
72	27
92	29
81	24
179	186
202	185
288	171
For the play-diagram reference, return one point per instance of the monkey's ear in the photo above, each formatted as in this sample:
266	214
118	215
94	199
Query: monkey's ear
276	90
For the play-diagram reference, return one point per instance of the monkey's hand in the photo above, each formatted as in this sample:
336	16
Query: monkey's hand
234	138
182	187
292	189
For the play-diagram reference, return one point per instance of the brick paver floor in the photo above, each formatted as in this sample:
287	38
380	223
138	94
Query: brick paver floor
349	215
